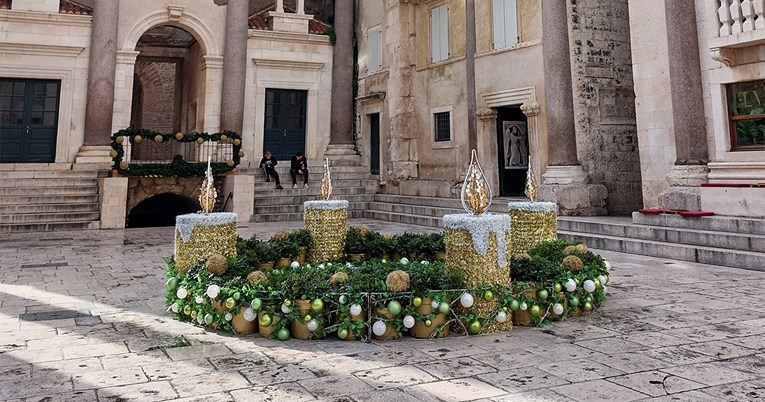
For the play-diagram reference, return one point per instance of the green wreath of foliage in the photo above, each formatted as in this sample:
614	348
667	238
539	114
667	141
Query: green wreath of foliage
178	167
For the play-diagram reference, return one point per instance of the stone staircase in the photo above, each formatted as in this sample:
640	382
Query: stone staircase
47	197
352	183
425	211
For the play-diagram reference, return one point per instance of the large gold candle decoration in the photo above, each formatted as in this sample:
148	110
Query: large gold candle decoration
326	183
532	222
476	192
208	194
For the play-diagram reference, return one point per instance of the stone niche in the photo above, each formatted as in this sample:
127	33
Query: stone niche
141	188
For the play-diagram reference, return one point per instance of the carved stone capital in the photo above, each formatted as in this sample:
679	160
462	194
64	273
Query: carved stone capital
530	109
725	56
486	114
175	12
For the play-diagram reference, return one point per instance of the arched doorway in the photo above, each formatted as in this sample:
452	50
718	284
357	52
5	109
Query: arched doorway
168	84
160	210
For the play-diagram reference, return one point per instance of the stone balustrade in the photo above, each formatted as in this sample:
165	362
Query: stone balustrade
737	16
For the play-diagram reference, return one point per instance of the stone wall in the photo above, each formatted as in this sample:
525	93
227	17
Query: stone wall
604	100
141	188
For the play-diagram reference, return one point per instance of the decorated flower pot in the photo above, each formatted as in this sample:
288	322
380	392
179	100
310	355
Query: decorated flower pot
283	262
242	326
348	318
523	317
220	306
300	328
266	331
326	221
532	223
390	331
476	248
356	257
265	266
301	255
421	330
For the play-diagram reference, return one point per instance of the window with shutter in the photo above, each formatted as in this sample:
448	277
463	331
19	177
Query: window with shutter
505	23
439	33
374	49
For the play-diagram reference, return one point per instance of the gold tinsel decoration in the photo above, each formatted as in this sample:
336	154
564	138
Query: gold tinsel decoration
208	194
476	193
531	190
204	242
530	228
328	230
462	257
326	183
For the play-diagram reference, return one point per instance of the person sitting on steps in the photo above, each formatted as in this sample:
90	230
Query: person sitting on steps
268	164
299	165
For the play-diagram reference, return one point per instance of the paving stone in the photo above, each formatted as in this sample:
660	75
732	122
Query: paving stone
719	349
217	397
678	355
540	395
599	390
74	396
631	362
240	362
197	352
209	383
285	392
463	389
108	378
579	370
611	345
456	368
103	349
134	359
690	396
152	391
276	373
335	386
709	373
522	379
741	391
182	369
389	377
656	383
655	339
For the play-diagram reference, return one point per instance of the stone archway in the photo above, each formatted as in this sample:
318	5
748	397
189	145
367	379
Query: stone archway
160	210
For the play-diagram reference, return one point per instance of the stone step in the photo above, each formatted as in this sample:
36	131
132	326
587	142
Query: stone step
23	208
49	226
51	190
49	182
297	216
300	195
48	174
733	224
408	209
703	255
298	208
49	217
498	205
336	184
48	199
430	221
624	228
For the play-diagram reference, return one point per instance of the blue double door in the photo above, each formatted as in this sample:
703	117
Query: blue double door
28	120
285	122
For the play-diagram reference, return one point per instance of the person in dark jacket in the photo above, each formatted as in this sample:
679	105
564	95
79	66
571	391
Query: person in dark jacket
299	165
268	164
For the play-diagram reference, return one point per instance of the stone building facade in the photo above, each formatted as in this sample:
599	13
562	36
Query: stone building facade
408	88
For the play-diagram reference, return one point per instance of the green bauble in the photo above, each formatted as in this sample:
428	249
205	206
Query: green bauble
474	327
317	305
543	294
488	296
574	301
283	334
256	304
265	320
535	311
394	308
444	308
342	333
417	301
208	319
230	303
171	285
558	288
514	305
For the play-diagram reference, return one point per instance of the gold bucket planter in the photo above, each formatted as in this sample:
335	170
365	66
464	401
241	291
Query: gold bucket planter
532	223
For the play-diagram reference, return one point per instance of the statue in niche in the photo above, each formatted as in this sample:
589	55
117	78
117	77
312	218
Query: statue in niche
516	144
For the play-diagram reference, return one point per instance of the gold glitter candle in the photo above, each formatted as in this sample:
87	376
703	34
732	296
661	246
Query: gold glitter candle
531	223
327	222
198	236
476	247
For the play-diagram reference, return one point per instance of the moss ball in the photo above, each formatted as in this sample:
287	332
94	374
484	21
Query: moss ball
582	249
217	264
256	277
363	231
570	250
281	235
338	278
573	263
522	256
397	281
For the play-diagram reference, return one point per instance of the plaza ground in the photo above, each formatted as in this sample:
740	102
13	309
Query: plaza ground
82	318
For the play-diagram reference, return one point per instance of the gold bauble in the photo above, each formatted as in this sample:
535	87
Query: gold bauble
241	154
230	163
179	136
200	140
158	138
137	139
237	141
124	165
223	138
113	153
119	140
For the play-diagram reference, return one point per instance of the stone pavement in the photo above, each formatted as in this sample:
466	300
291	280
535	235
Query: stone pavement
82	319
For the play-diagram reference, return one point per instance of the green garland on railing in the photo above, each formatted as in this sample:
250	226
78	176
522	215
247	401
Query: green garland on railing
178	167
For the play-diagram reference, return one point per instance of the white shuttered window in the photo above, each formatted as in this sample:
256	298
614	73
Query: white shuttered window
505	23
374	49
439	33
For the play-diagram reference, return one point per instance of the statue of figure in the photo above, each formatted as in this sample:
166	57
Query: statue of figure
518	152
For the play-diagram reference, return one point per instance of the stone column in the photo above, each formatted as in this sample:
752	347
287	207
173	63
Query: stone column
689	121
234	65
470	49
101	77
341	124
564	182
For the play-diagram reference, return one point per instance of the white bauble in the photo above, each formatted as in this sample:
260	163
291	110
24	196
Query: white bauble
501	317
349	265
321	266
524	306
409	321
435	304
466	300
404	261
570	285
182	293
250	314
379	328
174	307
608	265
343	299
213	291
589	286
558	308
295	264
355	310
312	325
423	262
200	319
602	279
199	299
228	316
286	309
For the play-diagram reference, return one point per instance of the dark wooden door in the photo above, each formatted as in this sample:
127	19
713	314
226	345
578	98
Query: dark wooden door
285	116
28	120
374	143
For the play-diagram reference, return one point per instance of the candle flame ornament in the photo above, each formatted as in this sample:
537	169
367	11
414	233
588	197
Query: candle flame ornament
326	183
208	194
531	190
476	193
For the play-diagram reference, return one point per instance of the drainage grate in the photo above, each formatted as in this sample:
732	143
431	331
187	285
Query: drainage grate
48	265
55	315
